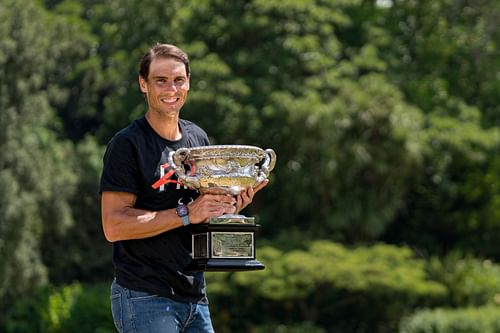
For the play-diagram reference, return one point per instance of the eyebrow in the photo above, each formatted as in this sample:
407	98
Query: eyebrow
166	77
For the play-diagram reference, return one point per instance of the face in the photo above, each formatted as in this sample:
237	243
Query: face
166	87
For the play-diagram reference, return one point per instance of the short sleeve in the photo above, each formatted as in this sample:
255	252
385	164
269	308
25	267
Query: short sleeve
120	167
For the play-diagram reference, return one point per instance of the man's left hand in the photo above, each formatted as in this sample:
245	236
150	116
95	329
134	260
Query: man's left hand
245	197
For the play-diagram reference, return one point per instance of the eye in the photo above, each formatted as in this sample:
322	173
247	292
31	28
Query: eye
180	79
161	81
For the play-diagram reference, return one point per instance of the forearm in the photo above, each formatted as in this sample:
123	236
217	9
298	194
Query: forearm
121	221
133	223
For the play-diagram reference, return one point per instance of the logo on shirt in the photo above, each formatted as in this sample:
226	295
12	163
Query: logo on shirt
166	177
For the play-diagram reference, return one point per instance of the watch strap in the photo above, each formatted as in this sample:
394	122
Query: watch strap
185	220
183	212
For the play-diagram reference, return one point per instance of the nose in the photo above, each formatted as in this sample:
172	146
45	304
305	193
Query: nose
170	86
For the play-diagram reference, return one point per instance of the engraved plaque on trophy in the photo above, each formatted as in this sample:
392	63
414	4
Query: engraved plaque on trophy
227	242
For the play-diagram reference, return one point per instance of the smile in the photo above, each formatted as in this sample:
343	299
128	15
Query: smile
169	99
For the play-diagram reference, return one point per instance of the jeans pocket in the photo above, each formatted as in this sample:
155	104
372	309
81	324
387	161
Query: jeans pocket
117	311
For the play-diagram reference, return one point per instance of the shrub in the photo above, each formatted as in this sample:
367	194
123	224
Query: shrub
305	327
71	308
339	289
470	281
465	320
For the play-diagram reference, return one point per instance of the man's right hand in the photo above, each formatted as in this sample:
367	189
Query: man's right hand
209	205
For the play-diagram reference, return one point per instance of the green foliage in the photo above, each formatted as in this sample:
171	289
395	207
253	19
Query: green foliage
295	274
81	253
333	163
445	48
36	179
473	290
322	285
304	327
453	203
470	281
71	308
442	54
25	165
466	320
385	121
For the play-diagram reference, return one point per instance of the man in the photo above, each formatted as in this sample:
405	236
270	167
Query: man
142	207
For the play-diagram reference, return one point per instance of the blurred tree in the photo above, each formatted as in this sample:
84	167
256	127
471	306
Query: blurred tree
81	253
444	56
453	203
26	142
36	165
79	71
444	49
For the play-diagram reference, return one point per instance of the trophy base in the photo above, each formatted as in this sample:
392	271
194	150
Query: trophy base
225	265
224	247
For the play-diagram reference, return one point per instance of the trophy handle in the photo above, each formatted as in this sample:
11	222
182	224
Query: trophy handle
176	160
267	166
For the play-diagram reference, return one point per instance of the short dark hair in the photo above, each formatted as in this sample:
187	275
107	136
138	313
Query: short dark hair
161	50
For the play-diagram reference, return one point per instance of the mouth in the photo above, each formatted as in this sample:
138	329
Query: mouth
169	100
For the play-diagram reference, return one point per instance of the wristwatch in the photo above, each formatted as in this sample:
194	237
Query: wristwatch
183	212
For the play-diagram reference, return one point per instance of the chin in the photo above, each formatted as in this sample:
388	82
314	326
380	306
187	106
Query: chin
169	112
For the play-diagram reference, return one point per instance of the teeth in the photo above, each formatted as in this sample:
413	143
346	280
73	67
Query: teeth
169	100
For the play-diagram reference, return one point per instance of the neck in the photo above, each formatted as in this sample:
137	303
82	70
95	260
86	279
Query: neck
167	128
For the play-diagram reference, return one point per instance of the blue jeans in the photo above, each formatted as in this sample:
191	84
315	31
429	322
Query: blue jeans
140	312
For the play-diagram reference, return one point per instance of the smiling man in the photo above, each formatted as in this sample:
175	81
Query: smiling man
148	215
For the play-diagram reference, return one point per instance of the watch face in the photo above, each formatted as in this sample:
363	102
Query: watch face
182	210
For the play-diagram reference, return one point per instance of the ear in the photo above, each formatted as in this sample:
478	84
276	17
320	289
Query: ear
143	85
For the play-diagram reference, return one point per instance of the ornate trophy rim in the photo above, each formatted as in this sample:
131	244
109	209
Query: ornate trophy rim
222	168
223	150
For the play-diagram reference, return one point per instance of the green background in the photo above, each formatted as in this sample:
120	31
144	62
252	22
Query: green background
383	211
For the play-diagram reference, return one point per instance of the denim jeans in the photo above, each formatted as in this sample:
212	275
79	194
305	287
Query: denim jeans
140	312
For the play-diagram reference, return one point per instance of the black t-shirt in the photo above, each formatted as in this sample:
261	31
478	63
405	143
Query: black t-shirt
135	159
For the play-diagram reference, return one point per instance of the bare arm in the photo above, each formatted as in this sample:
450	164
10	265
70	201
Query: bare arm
121	221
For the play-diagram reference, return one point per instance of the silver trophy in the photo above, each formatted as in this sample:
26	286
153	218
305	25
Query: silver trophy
227	242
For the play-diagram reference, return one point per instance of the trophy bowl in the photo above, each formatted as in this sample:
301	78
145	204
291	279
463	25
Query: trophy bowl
222	168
